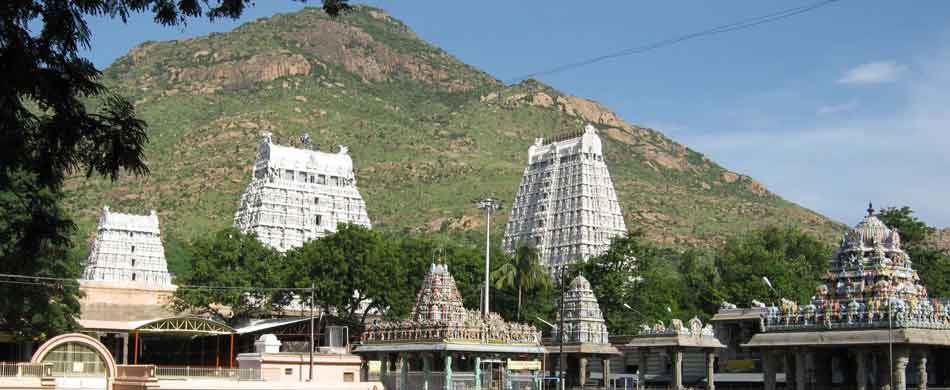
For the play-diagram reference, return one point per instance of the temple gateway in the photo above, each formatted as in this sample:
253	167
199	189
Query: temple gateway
566	205
299	194
444	346
870	326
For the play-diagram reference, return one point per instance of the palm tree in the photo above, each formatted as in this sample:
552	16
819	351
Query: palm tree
523	272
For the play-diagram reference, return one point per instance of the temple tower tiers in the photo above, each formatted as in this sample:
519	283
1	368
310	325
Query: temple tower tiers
127	248
583	321
299	194
566	205
869	268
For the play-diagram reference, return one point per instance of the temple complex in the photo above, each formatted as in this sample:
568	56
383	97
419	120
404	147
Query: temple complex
870	325
127	250
299	194
585	339
566	205
442	345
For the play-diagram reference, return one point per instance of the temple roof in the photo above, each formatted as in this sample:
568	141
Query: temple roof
439	298
129	222
870	232
287	157
583	320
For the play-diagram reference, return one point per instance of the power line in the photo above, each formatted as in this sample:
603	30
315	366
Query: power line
734	26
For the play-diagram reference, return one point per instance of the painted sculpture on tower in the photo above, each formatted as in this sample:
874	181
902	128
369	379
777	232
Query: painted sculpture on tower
127	249
869	279
439	316
299	194
566	205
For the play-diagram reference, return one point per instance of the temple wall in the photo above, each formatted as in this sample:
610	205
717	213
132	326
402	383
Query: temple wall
106	301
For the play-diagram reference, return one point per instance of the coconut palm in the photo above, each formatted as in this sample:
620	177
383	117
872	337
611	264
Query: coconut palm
523	272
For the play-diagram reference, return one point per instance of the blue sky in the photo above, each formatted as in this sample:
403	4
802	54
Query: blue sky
830	109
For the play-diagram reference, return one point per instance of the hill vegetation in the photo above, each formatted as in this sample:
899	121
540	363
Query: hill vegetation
427	133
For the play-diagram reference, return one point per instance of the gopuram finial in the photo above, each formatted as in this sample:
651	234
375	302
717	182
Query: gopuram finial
305	140
870	209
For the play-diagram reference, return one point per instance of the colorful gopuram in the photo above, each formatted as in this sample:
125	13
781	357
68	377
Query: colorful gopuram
870	325
442	345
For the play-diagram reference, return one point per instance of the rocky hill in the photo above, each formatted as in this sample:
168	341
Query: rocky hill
427	132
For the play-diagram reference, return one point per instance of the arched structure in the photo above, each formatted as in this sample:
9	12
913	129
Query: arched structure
184	325
83	340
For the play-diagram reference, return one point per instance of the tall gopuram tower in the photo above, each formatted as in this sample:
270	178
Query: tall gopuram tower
298	194
566	205
127	248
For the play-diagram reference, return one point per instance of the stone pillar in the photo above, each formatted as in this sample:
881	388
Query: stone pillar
861	370
922	370
125	348
788	367
448	371
710	370
800	370
768	369
427	371
404	372
901	359
384	369
605	367
822	370
643	365
677	369
478	373
582	371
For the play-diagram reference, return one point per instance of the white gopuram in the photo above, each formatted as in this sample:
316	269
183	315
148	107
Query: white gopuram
566	205
296	195
127	249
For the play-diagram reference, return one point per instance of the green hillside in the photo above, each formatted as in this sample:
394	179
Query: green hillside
427	133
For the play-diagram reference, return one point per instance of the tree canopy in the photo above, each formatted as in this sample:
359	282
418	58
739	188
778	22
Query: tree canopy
58	119
792	260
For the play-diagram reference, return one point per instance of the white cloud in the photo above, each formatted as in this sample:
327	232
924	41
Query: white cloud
850	105
873	73
839	164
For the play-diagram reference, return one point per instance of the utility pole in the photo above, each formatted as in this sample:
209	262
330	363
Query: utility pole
561	360
489	205
311	330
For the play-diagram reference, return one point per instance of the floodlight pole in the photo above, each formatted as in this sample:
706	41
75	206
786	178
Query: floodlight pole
489	205
311	331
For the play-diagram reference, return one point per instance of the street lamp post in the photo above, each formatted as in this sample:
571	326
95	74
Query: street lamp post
561	359
489	205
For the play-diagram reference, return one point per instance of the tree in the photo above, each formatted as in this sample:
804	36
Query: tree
791	259
932	264
522	272
227	276
56	119
618	278
353	271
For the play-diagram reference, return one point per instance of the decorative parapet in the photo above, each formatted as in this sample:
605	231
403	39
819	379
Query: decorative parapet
676	328
876	313
474	329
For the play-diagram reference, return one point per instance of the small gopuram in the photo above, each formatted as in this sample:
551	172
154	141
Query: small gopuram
870	326
585	338
444	346
671	344
127	250
299	194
